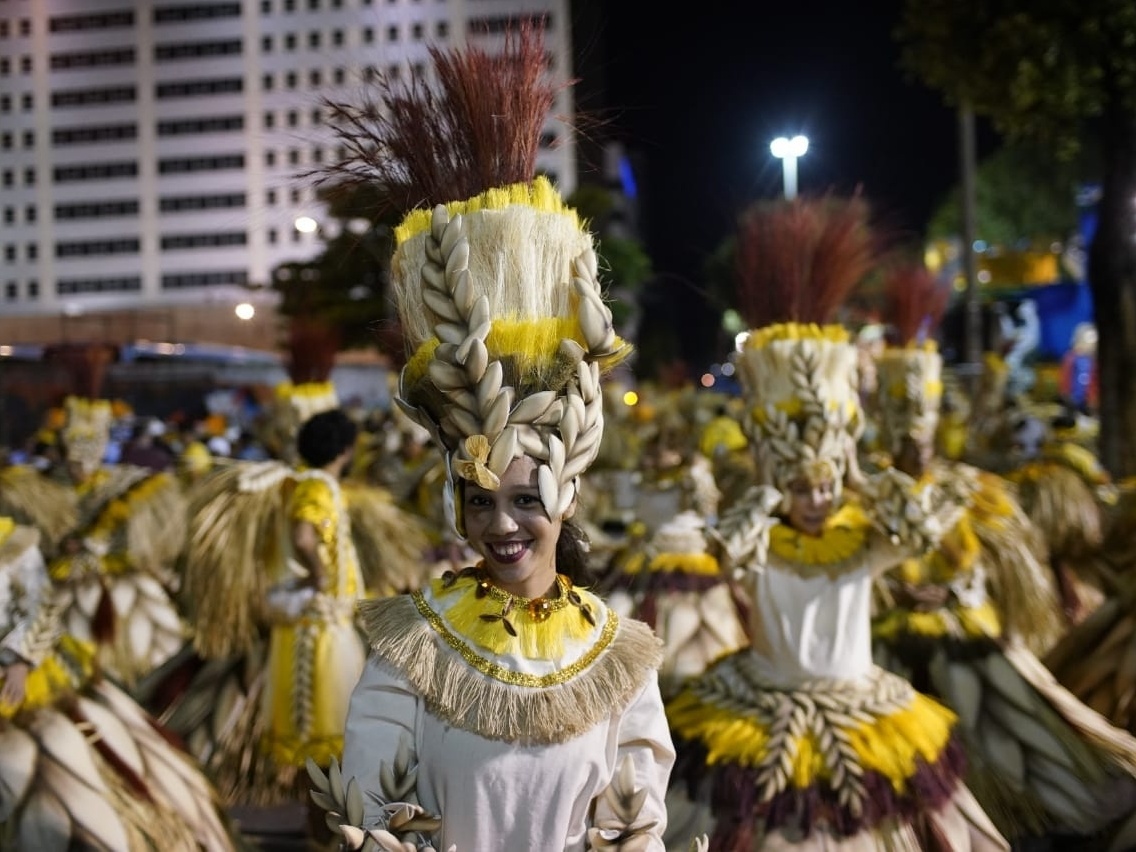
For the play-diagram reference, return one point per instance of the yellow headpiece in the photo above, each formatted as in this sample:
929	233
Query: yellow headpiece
495	276
86	432
910	393
803	416
509	334
292	405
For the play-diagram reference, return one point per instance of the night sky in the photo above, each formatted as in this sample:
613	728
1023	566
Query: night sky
698	95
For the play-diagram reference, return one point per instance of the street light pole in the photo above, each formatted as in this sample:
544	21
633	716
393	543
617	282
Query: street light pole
788	151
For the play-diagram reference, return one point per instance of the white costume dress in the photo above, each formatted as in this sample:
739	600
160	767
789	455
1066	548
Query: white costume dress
517	716
801	741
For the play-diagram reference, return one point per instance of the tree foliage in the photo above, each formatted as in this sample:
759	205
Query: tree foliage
1039	69
346	286
1060	72
1025	195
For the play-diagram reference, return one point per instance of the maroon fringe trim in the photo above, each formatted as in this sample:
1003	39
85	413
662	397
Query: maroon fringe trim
734	797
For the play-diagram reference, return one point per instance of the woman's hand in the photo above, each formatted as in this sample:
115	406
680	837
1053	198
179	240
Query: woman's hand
15	681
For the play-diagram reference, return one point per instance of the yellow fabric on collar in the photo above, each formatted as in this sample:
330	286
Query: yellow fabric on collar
844	536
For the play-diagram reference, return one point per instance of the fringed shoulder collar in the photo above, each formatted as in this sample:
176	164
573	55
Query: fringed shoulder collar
501	693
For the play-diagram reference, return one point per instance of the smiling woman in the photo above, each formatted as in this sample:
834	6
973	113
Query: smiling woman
505	706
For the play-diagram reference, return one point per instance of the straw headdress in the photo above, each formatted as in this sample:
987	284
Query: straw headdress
911	369
797	261
86	430
505	326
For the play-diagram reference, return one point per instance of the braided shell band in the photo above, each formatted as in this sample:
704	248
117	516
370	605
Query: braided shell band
910	393
502	308
804	413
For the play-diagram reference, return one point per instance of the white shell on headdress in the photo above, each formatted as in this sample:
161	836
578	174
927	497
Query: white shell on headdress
518	263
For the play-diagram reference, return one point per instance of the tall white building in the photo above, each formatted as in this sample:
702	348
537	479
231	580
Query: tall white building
149	148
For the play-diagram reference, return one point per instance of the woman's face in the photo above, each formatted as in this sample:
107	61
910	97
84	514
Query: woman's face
512	531
810	504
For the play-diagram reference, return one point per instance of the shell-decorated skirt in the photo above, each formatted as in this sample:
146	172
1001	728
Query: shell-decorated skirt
844	757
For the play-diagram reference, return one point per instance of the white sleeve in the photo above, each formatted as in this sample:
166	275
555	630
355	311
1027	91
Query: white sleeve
383	712
645	737
37	626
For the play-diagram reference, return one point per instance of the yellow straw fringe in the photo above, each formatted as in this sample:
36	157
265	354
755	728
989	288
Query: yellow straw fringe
686	563
796	331
891	745
540	195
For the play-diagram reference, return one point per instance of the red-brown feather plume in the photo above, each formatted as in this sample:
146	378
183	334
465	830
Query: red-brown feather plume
477	127
798	260
916	302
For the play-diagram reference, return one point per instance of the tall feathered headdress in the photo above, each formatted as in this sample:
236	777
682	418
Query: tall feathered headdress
505	325
797	261
911	368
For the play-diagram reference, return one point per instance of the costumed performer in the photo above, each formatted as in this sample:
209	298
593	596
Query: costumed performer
504	706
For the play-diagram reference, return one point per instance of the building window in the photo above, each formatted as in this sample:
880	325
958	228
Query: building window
270	197
290	80
10	253
30	214
29	176
294	196
266	44
315	78
269	119
368	35
88	248
266	82
6	141
317	117
26	64
293	157
29	139
10	291
289	5
5	66
443	29
315	39
190	165
32	251
339	75
9	215
337	38
27	102
290	41
266	7
293	118
25	27
270	158
418	32
272	236
33	289
392	33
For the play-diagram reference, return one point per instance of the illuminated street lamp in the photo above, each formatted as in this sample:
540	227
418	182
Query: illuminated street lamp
787	151
244	311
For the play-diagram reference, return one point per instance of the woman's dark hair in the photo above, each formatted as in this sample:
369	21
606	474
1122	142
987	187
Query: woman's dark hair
572	555
325	436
